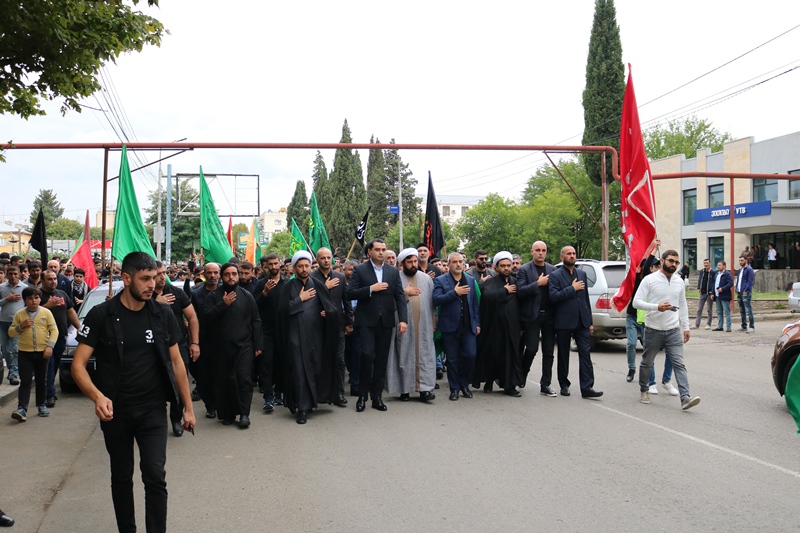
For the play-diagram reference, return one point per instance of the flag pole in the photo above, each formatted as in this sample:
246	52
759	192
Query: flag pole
351	249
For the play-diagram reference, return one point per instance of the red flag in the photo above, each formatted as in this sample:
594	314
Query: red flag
82	258
637	202
230	235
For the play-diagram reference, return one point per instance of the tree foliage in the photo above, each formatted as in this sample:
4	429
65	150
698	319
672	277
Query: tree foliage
605	87
298	207
395	169
378	194
493	224
50	206
64	229
95	233
683	137
55	50
185	230
344	195
279	244
412	235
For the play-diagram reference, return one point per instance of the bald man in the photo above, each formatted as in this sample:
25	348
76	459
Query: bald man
63	283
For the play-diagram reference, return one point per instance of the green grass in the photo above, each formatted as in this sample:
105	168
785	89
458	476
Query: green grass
694	293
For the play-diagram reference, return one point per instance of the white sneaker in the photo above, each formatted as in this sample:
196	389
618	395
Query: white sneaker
693	326
708	327
645	397
669	388
751	330
653	389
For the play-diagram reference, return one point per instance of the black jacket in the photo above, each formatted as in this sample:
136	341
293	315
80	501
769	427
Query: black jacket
572	308
379	305
529	292
338	294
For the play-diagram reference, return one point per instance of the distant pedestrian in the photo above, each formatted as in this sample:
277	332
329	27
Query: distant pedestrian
705	285
723	281
744	291
772	257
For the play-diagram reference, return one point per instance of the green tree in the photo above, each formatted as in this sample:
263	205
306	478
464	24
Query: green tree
95	233
493	224
345	195
319	179
298	207
378	195
683	137
394	168
64	229
605	88
50	206
185	230
237	230
279	244
412	235
55	51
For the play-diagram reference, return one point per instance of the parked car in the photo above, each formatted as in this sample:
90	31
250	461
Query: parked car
794	297
786	351
95	296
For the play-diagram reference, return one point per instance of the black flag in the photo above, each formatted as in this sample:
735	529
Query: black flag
38	240
434	237
362	228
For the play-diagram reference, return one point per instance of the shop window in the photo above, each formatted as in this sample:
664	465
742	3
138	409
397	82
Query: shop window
716	195
689	206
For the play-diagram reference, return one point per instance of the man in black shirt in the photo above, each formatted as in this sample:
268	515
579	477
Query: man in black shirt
63	310
270	362
705	284
203	369
139	367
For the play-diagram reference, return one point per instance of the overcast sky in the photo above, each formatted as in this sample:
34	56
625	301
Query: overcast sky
419	72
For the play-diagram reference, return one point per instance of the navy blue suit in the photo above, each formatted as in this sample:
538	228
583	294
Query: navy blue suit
459	341
572	319
725	283
534	323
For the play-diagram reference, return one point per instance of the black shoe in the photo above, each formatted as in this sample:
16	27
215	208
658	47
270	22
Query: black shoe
439	373
211	413
195	395
489	387
466	393
5	520
379	405
514	393
436	386
427	396
564	391
547	391
227	421
302	417
591	393
244	421
177	429
341	401
361	404
268	406
631	373
50	402
13	381
717	329
353	391
453	395
405	397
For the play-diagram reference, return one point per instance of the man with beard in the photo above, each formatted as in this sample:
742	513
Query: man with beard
270	362
390	258
412	364
309	324
480	271
423	261
236	336
336	284
138	367
63	284
573	318
663	296
352	343
516	263
181	307
379	292
499	343
63	310
203	370
246	279
34	274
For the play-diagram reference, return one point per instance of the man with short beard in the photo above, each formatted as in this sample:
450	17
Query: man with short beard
516	263
352	342
423	261
246	279
236	332
203	369
663	296
390	258
270	362
34	274
412	364
64	283
480	271
63	310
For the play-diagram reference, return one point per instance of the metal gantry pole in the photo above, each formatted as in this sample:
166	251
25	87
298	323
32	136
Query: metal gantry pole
400	203
158	225
168	236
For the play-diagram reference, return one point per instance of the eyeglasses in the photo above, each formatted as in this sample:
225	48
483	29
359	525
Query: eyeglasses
673	261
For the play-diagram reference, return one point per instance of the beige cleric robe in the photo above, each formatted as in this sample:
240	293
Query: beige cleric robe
412	356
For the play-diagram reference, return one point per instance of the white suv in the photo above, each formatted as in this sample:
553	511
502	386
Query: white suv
604	279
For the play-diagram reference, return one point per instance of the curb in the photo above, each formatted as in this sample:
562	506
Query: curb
7	393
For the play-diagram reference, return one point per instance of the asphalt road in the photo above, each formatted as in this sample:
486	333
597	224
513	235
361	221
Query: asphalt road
487	464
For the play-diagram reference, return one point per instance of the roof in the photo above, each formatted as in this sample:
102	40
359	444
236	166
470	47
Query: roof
458	199
5	228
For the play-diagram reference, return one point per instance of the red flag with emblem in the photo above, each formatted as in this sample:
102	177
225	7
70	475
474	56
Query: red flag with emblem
637	203
82	257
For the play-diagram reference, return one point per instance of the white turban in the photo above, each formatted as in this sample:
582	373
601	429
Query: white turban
300	254
499	256
408	252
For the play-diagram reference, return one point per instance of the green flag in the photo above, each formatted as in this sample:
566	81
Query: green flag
317	236
792	392
298	241
129	232
216	248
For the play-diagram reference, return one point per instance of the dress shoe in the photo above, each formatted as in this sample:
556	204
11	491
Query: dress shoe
177	429
195	395
244	421
489	387
514	393
361	404
439	373
564	391
268	406
5	520
405	397
353	391
378	404
466	393
547	391
717	329
591	393
631	373
436	386
227	421
50	402
427	396
15	381
453	395
211	413
302	417
341	401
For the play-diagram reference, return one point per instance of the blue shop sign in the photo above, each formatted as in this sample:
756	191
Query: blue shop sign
752	209
394	209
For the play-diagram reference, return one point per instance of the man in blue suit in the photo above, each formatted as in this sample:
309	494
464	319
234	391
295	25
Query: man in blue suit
722	295
744	291
536	316
572	319
459	323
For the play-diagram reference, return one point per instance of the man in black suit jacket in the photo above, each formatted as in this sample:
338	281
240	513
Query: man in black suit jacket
573	318
536	316
379	293
336	285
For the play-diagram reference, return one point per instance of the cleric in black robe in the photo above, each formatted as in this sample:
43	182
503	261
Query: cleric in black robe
236	337
308	325
498	355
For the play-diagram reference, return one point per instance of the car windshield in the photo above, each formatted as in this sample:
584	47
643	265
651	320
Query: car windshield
614	275
92	299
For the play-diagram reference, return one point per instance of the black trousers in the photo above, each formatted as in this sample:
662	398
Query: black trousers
32	364
340	365
353	358
541	327
175	408
204	371
149	429
375	344
268	371
586	370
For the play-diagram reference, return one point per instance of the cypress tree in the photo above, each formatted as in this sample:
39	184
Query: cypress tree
605	87
378	194
319	179
345	195
298	207
411	204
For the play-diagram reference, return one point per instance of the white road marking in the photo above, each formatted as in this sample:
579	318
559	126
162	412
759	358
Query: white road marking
704	442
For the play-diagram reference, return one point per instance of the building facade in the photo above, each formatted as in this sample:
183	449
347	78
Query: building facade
14	240
272	222
452	206
693	214
111	216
